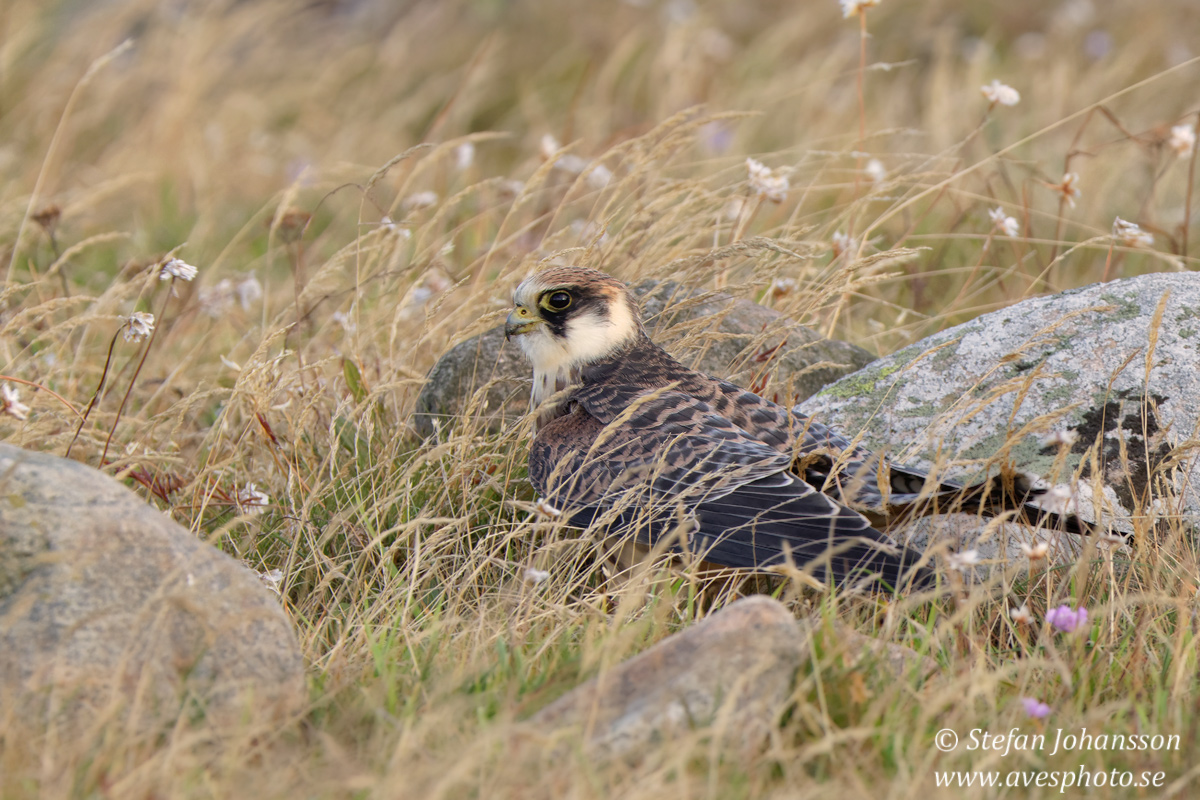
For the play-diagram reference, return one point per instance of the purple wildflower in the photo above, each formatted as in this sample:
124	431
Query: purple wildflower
1035	708
1065	619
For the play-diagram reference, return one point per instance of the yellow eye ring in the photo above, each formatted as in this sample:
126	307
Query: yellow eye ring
556	301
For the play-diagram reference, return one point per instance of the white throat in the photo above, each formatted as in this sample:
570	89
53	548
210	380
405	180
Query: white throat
590	337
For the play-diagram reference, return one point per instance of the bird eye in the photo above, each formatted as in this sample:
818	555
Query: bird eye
557	301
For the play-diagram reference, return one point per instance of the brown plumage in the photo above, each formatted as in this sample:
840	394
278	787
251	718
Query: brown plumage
635	439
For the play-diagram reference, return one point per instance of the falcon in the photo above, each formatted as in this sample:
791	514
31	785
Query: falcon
629	438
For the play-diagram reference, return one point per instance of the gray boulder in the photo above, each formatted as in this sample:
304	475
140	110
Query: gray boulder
734	669
1114	367
107	607
487	380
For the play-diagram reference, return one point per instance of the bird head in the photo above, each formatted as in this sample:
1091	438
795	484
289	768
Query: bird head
565	318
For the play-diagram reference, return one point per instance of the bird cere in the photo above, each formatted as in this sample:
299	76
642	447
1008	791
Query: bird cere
628	435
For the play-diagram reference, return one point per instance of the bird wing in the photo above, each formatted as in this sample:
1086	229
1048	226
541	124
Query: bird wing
664	461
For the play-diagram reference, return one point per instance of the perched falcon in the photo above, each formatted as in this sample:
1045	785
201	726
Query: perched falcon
633	438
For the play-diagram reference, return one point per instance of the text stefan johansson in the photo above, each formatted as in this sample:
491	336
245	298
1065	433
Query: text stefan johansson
1068	742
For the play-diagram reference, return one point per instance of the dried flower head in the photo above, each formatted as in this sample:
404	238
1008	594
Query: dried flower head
137	326
1183	140
251	501
1035	708
964	560
249	290
271	579
998	93
420	200
10	403
1067	620
1022	615
48	217
1067	188
1058	500
765	183
176	268
345	320
1131	234
1036	551
843	243
292	223
782	287
1003	223
544	508
535	576
851	8
464	156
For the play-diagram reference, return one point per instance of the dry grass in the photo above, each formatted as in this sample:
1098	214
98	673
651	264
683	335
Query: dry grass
272	139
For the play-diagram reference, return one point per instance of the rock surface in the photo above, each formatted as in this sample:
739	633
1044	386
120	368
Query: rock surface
735	667
715	333
109	607
1098	363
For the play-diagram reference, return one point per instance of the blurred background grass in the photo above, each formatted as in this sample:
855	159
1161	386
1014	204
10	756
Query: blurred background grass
362	183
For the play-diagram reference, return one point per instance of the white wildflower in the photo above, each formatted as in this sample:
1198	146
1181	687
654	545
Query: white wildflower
851	8
549	146
1064	438
345	319
1067	188
511	188
765	183
734	208
464	156
571	164
391	227
876	171
964	560
10	403
177	268
251	501
599	177
138	326
1183	140
536	576
420	200
998	93
1003	223
1022	615
782	287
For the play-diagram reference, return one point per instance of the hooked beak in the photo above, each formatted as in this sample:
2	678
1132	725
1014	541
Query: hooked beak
520	321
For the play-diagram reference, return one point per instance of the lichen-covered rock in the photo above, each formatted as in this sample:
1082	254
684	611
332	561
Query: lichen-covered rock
1115	367
109	607
487	380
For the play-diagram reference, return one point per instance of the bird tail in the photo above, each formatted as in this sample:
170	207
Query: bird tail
1021	494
